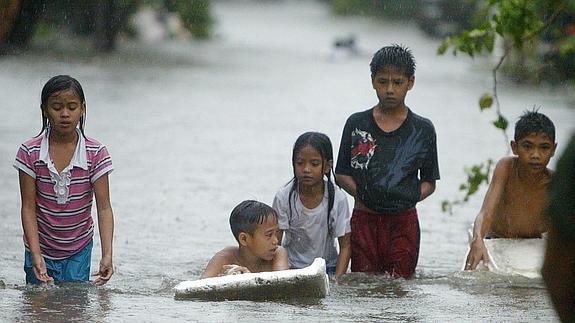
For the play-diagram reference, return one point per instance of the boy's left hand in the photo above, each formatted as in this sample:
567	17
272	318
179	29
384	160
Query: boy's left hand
106	271
234	270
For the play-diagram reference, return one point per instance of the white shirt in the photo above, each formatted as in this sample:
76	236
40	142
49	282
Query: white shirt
306	230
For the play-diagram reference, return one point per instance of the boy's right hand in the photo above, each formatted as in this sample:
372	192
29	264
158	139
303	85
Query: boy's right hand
39	268
477	253
233	270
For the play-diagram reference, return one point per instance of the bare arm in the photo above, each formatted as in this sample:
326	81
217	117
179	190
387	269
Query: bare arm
281	259
344	254
106	226
347	183
484	219
426	189
30	225
216	265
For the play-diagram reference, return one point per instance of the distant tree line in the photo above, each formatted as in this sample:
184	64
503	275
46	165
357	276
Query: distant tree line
100	20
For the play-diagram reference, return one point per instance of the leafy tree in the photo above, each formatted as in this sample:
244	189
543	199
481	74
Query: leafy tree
101	21
195	15
391	9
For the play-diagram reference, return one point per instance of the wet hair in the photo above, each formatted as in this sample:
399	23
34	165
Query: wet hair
534	122
247	215
397	56
322	144
56	85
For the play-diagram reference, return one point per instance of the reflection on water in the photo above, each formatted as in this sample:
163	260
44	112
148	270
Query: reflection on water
367	285
195	128
82	302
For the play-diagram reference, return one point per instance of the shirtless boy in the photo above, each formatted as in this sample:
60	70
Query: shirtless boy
515	200
255	227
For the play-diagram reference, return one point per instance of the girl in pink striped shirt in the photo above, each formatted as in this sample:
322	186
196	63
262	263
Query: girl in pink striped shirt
60	171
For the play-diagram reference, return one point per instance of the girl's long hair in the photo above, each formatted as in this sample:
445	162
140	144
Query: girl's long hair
322	144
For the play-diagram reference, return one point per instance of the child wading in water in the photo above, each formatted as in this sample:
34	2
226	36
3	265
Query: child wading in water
311	211
516	198
60	171
388	162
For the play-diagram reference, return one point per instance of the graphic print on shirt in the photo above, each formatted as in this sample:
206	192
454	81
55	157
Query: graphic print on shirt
404	159
362	148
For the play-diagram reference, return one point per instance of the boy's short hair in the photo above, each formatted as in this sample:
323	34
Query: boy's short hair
534	122
395	55
247	215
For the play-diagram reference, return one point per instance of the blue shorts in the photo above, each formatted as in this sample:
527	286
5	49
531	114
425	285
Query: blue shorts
75	268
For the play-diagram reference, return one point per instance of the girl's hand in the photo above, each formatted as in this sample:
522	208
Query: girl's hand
106	271
234	270
39	268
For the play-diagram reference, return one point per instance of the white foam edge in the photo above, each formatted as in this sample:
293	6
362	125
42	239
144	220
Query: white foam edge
237	281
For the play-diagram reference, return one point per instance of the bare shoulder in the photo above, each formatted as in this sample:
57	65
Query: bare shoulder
223	257
503	169
506	163
227	255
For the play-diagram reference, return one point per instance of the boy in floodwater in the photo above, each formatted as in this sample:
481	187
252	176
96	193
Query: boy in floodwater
255	227
559	266
514	202
388	162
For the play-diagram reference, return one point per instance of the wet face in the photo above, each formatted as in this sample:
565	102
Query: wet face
534	151
64	110
264	242
391	86
309	167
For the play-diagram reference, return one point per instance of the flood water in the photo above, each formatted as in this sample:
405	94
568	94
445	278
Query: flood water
193	129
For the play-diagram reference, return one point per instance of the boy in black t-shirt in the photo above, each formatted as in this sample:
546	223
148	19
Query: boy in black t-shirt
388	162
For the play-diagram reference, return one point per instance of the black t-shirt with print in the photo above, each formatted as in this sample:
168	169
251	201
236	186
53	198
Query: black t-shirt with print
387	167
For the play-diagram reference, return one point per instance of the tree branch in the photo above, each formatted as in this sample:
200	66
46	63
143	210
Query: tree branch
495	95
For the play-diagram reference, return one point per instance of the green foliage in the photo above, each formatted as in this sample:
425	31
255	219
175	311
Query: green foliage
517	19
196	16
514	20
567	46
471	42
390	9
349	7
485	101
517	22
501	123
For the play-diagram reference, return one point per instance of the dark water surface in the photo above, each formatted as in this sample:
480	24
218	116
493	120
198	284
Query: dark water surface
195	128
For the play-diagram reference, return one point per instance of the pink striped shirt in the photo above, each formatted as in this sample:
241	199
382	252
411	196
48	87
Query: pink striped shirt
64	200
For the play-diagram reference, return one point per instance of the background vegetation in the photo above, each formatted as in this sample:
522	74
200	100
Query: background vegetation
100	21
537	39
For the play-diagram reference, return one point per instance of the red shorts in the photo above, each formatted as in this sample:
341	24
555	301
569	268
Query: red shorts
385	243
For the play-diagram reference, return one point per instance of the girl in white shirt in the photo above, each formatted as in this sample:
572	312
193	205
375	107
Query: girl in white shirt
312	212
